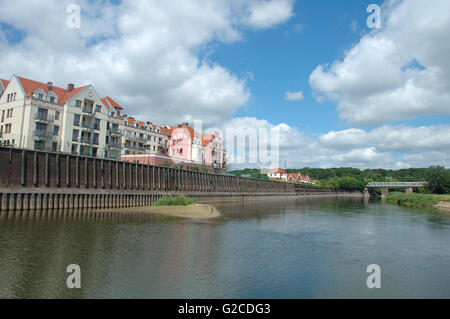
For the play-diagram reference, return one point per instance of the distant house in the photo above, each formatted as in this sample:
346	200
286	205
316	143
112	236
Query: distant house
277	173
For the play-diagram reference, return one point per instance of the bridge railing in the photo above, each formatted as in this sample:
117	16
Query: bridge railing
397	184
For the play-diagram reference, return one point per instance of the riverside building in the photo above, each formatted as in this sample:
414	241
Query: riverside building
76	120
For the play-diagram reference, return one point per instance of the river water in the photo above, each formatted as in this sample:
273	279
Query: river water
297	248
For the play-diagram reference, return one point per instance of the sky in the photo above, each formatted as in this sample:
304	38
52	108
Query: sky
337	92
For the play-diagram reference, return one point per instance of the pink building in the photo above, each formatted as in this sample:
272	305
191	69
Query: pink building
188	145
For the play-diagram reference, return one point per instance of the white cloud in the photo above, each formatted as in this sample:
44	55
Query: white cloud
392	147
148	55
268	13
398	73
294	96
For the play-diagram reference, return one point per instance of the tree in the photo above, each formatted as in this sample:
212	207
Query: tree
438	178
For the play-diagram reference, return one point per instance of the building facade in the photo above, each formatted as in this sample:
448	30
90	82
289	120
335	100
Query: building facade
41	116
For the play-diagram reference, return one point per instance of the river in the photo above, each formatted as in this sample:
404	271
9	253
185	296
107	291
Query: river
297	248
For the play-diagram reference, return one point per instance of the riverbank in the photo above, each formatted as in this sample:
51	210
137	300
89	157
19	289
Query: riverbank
419	200
196	211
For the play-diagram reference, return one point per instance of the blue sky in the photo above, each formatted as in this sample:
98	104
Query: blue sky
384	98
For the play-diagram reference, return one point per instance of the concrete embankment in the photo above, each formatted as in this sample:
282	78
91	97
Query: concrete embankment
445	206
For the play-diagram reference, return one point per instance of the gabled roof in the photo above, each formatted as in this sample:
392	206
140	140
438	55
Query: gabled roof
277	170
190	129
4	82
109	102
30	86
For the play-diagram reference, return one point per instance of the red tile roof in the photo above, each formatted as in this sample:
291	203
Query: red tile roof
30	86
110	102
4	82
190	129
277	170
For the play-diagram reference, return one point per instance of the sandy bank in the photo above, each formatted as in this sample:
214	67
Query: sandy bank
443	205
197	211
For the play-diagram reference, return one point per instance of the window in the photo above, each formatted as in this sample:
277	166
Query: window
94	152
98	108
3	115
39	145
14	98
75	135
56	115
52	99
41	127
74	148
55	130
107	139
76	120
96	138
54	147
7	128
97	124
40	96
78	103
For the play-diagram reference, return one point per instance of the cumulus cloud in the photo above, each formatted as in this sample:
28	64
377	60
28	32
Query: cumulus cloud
145	54
392	147
266	14
398	73
294	96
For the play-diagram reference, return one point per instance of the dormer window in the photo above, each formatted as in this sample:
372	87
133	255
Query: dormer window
40	96
52	99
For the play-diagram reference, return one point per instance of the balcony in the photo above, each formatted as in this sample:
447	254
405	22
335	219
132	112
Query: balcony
88	110
44	117
135	148
41	135
115	132
85	126
135	138
85	152
115	145
86	140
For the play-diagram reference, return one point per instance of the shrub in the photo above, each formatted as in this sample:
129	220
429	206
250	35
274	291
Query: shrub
175	201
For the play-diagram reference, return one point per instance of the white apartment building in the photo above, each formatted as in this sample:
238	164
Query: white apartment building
41	116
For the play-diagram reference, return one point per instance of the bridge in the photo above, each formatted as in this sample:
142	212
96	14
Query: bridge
385	186
397	184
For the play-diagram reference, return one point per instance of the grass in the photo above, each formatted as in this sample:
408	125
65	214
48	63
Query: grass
416	200
175	201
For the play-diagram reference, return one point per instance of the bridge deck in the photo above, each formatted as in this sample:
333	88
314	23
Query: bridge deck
397	184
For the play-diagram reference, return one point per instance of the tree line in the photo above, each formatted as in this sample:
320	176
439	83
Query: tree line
350	179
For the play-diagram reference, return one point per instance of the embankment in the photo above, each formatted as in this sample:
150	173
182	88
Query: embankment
419	200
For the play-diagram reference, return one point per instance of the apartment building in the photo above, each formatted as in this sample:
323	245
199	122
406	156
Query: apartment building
36	115
136	137
41	116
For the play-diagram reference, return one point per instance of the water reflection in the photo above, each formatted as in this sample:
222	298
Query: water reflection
289	248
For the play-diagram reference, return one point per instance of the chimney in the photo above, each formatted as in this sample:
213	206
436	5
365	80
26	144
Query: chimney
70	87
50	86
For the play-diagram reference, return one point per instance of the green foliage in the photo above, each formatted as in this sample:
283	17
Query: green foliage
343	178
166	163
175	201
438	178
415	200
346	183
253	173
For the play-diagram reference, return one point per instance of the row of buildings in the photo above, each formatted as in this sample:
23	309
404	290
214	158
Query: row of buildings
77	120
278	173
